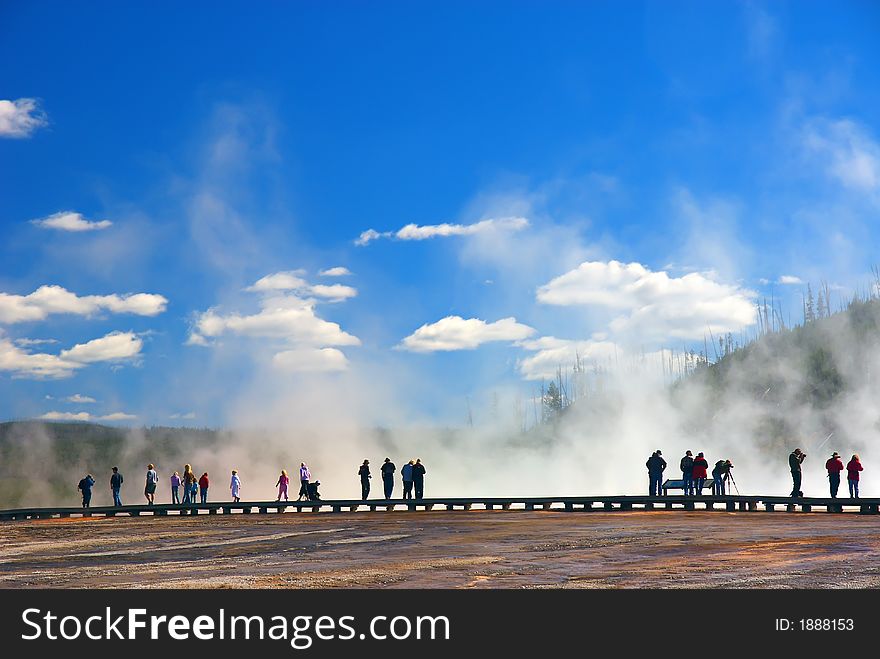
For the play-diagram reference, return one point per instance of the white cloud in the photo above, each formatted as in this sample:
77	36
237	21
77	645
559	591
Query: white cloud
85	416
424	232
307	360
280	281
34	342
114	347
79	398
338	271
552	353
292	281
66	416
71	221
186	415
847	151
457	333
55	299
117	416
789	280
285	317
20	118
653	305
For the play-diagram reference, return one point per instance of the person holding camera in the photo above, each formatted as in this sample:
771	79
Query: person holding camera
794	462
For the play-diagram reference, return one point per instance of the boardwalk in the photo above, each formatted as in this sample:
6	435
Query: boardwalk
569	504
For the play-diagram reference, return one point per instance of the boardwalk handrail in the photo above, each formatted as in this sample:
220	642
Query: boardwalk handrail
568	503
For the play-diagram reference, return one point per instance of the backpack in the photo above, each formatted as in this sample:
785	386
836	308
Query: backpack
83	484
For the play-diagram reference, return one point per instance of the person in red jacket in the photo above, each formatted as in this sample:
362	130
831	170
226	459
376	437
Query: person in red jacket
700	474
853	468
834	465
203	487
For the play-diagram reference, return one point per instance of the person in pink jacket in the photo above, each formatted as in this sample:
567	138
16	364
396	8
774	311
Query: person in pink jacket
283	480
853	467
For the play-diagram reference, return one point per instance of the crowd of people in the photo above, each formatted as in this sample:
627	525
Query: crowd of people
195	489
694	474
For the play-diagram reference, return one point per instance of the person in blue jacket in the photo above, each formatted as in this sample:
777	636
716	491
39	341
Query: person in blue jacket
85	486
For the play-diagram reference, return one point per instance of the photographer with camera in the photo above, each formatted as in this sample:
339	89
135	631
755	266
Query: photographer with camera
794	462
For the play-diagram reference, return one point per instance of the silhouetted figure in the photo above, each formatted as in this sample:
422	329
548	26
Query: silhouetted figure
235	486
407	474
150	486
304	477
418	472
655	464
834	465
116	486
794	462
720	476
364	473
853	467
687	473
313	491
701	466
388	470
203	487
85	486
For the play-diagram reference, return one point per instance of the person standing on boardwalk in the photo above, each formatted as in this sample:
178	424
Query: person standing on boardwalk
687	473
85	486
718	479
407	474
418	471
364	473
150	485
188	479
388	470
175	487
283	480
235	486
655	464
116	486
794	463
834	465
203	487
700	473
853	467
304	477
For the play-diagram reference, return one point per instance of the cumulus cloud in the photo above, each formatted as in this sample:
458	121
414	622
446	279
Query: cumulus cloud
21	118
550	353
85	416
653	305
79	398
288	318
850	155
457	333
55	299
115	347
789	280
293	281
306	360
424	232
71	221
338	271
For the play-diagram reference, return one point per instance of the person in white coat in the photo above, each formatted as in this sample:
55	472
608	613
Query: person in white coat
235	486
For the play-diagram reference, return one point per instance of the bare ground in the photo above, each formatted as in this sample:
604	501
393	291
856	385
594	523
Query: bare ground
474	549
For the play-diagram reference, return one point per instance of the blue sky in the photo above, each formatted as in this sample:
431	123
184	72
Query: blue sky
603	177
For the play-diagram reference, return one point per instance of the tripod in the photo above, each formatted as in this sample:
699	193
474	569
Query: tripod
730	475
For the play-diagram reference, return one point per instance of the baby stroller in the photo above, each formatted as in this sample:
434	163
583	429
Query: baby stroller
313	491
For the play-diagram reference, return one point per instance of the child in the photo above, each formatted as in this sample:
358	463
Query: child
235	486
